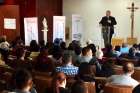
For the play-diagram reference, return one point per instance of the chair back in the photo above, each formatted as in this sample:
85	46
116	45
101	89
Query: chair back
42	83
112	88
136	74
90	87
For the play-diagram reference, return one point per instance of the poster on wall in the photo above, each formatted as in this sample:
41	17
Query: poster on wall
59	27
31	29
9	23
77	24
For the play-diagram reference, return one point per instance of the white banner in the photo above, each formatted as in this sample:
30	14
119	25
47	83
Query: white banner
9	23
59	27
77	27
31	29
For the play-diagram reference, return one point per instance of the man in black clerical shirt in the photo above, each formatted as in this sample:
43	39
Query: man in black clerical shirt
107	22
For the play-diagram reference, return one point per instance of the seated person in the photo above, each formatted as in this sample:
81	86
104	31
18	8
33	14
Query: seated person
67	67
109	51
86	72
107	69
43	62
1	60
23	82
125	78
99	54
34	47
79	87
124	49
58	84
4	45
136	89
132	54
117	51
86	55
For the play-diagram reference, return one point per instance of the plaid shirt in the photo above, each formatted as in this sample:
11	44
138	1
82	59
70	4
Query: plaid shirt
69	70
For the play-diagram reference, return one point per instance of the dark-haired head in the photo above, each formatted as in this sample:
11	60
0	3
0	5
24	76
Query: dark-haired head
63	45
59	80
86	69
86	51
117	48
92	47
23	79
34	47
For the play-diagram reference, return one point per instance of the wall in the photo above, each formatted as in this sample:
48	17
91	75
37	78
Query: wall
93	10
48	9
9	11
39	8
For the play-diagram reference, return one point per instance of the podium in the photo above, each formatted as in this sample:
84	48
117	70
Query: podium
131	41
117	41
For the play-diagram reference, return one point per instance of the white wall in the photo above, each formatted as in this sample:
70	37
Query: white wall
93	10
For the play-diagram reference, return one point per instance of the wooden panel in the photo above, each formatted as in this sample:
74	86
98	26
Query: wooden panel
131	41
48	9
9	11
117	41
109	88
39	8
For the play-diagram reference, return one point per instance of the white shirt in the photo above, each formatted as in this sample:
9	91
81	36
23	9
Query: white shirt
124	79
4	45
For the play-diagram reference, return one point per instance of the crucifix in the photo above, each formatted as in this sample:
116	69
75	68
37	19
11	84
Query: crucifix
132	9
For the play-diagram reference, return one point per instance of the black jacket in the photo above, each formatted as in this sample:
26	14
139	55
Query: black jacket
104	22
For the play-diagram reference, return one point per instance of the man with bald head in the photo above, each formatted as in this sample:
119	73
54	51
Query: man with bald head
125	78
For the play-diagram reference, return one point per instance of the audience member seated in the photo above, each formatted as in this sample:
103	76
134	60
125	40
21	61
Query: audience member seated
99	53
137	52
79	87
34	47
57	41
57	55
77	56
4	45
86	72
132	54
107	69
43	62
109	51
86	55
94	60
136	89
58	84
124	79
116	51
4	48
49	46
42	44
22	61
23	82
124	48
1	60
63	45
93	49
67	67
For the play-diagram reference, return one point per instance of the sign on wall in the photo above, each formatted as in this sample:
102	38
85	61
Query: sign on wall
9	23
77	24
31	29
59	27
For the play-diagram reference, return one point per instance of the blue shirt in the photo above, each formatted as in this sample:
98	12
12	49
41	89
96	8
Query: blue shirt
68	70
124	50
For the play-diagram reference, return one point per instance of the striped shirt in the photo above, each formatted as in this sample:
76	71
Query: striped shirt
69	70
